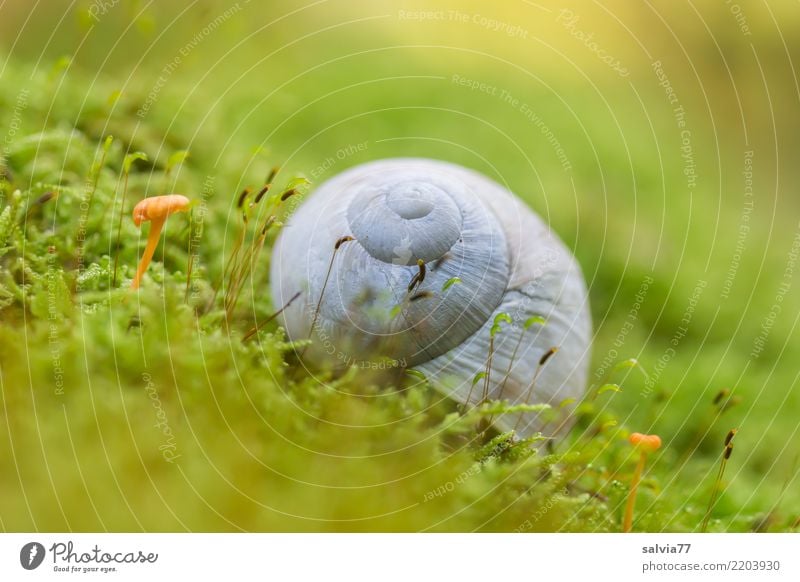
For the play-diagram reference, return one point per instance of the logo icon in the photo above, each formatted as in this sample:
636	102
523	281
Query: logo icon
402	252
31	555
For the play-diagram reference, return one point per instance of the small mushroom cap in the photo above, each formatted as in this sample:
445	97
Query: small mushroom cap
649	442
159	207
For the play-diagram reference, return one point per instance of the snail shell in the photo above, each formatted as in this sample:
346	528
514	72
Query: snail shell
456	222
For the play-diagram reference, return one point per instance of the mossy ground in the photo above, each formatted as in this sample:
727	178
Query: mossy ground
150	411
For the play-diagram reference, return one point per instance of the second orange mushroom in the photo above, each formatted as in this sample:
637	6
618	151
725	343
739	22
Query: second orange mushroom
646	443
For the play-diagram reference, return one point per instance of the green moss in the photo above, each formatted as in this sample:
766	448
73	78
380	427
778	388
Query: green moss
127	411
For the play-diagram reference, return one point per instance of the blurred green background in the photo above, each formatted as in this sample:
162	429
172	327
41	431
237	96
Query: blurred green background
660	140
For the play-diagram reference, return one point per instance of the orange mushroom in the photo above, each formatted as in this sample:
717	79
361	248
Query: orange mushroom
646	443
156	210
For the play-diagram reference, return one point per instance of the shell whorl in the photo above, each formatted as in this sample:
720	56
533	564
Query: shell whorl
398	215
461	224
403	222
398	211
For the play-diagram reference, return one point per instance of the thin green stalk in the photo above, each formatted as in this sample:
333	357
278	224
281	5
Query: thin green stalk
190	259
726	454
127	162
542	361
254	330
336	248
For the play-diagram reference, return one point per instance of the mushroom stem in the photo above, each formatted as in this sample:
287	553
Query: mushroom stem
152	242
627	523
645	443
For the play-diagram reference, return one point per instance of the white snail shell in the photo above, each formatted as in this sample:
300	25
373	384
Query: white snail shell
461	224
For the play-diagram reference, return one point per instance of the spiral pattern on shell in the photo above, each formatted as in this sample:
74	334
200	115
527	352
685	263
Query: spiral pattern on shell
438	252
